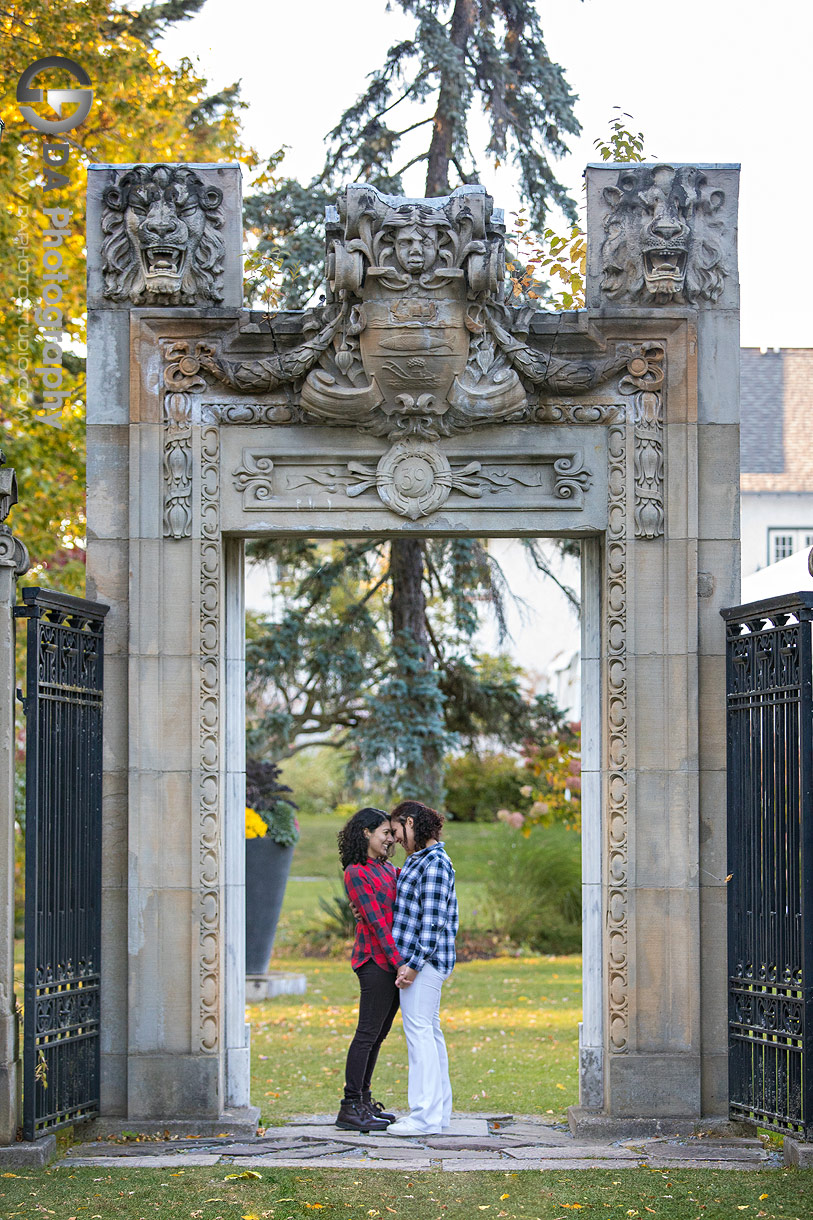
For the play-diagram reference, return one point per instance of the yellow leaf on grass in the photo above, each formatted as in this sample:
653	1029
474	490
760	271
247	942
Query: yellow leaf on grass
11	1175
504	1197
250	1216
247	1173
763	1196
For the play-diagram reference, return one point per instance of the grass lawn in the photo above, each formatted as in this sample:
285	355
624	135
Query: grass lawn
205	1194
511	1026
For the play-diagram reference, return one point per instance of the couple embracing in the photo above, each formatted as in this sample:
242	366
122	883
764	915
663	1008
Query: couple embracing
403	951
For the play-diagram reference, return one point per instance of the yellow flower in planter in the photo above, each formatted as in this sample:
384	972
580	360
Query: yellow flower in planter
255	826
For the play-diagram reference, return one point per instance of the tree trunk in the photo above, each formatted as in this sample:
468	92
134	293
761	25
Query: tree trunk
422	776
440	150
408	606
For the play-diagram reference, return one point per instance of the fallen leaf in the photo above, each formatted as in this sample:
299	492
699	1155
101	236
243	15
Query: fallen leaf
763	1196
247	1173
504	1197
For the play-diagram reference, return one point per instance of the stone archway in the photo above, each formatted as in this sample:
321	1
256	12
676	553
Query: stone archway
414	402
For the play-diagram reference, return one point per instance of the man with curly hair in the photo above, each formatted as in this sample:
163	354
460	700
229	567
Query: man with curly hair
424	926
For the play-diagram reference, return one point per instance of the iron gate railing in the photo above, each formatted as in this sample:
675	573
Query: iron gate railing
63	833
770	859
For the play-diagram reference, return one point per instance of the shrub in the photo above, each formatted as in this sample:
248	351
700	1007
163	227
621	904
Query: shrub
534	891
477	787
264	794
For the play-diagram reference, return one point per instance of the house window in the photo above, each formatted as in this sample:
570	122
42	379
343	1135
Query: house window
784	542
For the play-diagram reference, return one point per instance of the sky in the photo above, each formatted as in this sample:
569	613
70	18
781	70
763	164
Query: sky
705	81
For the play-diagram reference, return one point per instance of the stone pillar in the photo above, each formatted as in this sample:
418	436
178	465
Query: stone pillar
164	245
662	264
13	563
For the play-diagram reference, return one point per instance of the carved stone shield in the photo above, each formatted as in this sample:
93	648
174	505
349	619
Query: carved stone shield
415	338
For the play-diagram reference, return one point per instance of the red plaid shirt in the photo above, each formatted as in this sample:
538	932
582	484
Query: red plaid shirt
371	889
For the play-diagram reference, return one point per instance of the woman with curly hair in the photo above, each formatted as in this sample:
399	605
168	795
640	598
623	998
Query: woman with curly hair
424	927
365	846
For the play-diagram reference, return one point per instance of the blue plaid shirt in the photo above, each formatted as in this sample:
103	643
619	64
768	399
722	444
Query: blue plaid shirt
425	918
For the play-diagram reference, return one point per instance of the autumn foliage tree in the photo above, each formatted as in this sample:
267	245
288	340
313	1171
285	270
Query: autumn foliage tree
143	110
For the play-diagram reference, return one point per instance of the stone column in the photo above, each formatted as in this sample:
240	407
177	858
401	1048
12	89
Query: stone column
164	250
662	265
13	564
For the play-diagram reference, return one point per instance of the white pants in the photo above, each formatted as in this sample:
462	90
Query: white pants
430	1092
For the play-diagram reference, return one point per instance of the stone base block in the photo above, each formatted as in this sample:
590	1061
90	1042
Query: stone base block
276	982
596	1127
241	1122
28	1154
798	1153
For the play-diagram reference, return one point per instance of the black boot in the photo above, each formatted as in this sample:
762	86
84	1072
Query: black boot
375	1107
355	1116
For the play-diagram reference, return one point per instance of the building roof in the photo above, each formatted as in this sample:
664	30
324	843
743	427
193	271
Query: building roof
776	437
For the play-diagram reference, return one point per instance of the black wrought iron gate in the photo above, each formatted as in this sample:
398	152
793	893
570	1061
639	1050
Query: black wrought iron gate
770	859
63	705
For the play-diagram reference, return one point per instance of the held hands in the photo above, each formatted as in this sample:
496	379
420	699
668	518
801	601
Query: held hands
405	976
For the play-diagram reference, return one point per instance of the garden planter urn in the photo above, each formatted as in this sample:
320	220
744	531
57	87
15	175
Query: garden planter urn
267	867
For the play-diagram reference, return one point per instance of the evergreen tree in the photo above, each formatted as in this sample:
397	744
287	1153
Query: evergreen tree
328	668
463	54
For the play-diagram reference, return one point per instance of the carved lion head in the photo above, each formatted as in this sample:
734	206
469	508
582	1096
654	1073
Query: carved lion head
161	242
663	236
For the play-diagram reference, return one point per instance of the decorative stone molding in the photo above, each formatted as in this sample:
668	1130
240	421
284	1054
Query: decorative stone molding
209	931
617	748
663	237
644	379
162	243
177	519
412	478
649	465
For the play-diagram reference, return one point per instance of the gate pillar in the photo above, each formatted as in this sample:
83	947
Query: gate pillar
13	564
167	1049
662	245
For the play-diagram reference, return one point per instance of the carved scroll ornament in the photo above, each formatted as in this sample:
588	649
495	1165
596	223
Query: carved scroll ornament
13	553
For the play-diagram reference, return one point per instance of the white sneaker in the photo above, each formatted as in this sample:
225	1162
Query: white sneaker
404	1127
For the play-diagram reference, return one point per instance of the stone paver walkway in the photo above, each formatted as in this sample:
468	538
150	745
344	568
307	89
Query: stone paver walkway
472	1142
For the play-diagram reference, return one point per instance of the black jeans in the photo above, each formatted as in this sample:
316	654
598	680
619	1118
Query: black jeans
378	1005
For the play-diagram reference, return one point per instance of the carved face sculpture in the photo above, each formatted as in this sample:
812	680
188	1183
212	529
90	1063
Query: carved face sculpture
161	240
416	248
662	240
